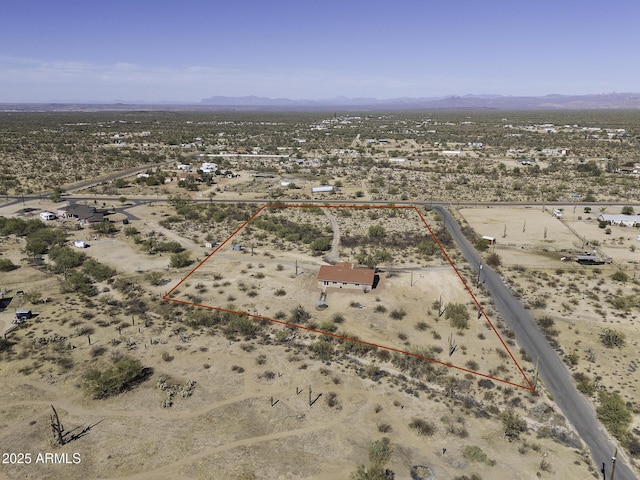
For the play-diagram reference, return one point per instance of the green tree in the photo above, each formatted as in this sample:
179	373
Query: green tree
65	259
627	210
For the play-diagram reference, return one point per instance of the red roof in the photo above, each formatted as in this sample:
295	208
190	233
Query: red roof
345	272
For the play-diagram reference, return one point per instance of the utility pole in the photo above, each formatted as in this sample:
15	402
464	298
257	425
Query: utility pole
479	272
613	463
535	380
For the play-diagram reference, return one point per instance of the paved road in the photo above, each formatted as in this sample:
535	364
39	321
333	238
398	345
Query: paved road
553	371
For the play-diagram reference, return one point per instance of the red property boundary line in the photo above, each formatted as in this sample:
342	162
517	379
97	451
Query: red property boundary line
528	386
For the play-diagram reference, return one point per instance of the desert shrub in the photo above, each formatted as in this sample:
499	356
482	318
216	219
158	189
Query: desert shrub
299	315
166	356
611	338
241	325
321	244
332	399
633	446
103	383
376	231
384	428
154	278
328	326
493	260
614	414
98	350
281	292
7	265
584	384
5	346
539	302
423	427
512	423
130	231
457	315
472	365
428	248
180	260
398	314
380	453
481	244
97	270
620	276
474	453
33	297
323	348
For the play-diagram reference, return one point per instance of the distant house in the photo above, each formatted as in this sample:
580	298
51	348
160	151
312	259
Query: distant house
621	220
345	275
322	189
86	214
208	167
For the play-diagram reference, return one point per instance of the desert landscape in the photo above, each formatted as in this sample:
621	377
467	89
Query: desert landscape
189	334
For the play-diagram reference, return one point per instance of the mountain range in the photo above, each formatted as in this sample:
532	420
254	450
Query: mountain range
466	102
614	101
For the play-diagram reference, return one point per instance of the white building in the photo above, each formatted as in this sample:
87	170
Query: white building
622	220
208	167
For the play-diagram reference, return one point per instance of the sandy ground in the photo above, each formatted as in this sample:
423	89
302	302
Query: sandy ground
242	424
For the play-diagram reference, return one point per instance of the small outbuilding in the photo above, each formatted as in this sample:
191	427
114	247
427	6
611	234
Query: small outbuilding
23	314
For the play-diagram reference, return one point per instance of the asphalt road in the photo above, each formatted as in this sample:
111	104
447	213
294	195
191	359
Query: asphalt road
553	371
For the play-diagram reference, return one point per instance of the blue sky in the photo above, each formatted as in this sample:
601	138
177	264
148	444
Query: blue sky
140	50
